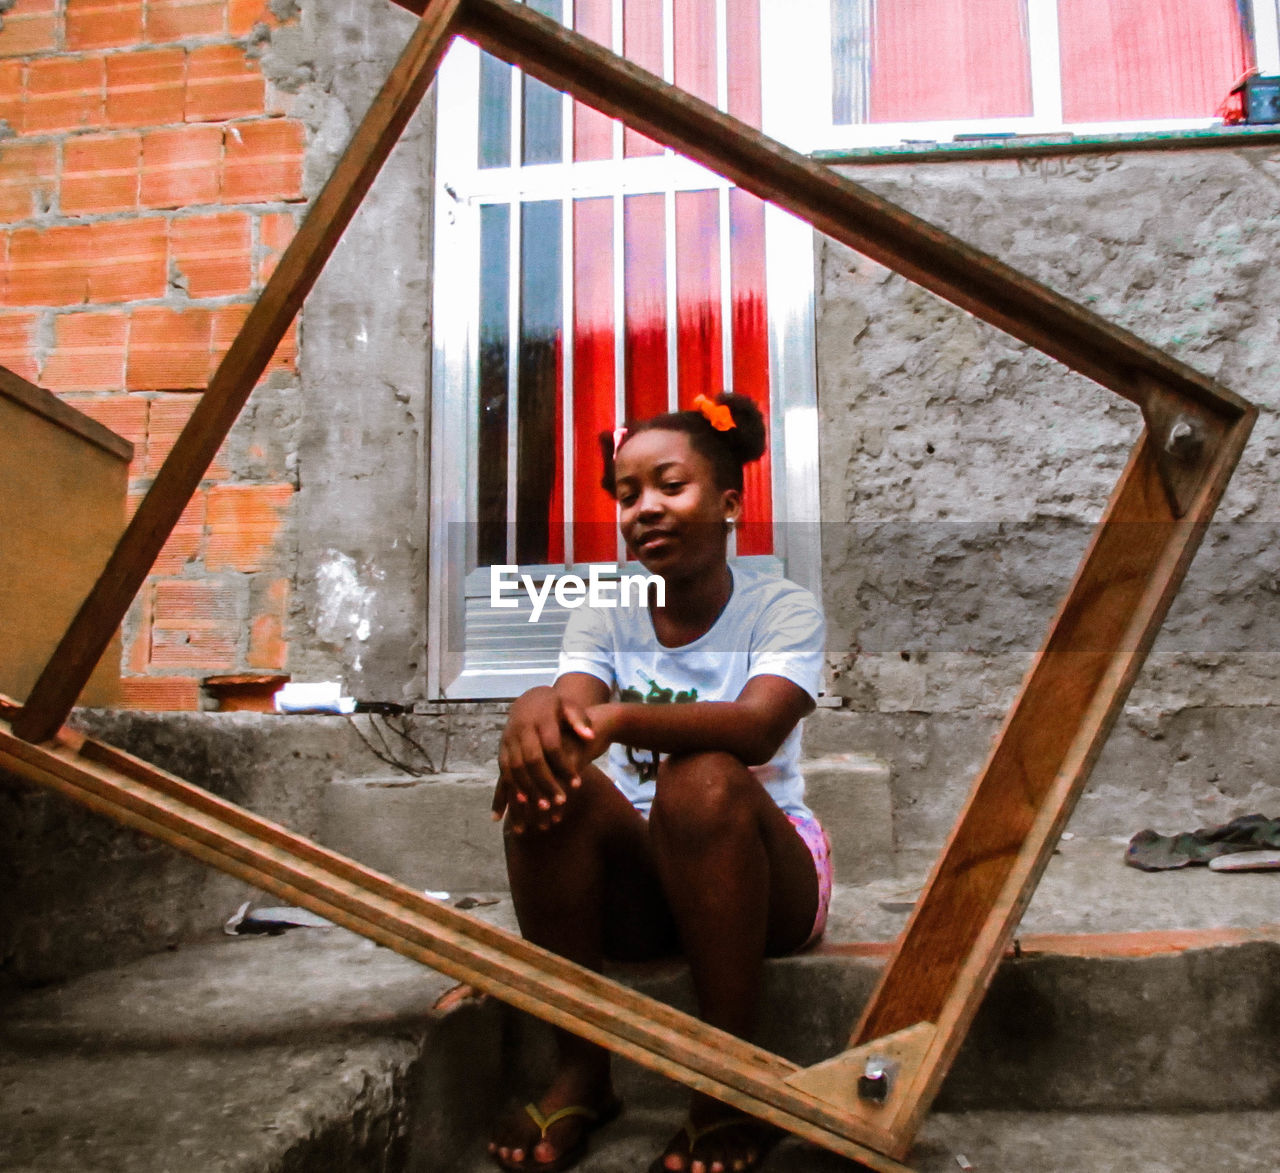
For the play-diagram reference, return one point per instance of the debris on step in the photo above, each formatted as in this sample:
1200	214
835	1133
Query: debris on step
1151	852
467	903
272	921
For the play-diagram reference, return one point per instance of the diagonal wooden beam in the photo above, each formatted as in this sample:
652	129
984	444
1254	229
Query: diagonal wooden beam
270	857
73	660
844	210
1042	757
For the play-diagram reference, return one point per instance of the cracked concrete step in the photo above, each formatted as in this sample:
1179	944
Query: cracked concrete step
992	1142
314	1051
436	832
1086	889
1182	1031
318	1051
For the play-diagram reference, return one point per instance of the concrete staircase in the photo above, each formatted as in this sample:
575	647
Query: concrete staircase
1136	1030
318	1051
1109	1043
437	832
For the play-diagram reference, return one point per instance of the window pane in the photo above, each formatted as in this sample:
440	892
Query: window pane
543	126
695	48
642	43
495	112
1135	59
594	349
645	285
751	359
943	59
593	131
539	479
743	19
491	462
698	313
850	60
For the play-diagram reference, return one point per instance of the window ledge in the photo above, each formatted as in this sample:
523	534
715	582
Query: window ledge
1027	146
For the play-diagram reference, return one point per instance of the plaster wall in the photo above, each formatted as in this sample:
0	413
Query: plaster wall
962	472
359	604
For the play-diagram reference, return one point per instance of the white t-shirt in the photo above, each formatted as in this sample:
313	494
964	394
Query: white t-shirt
770	626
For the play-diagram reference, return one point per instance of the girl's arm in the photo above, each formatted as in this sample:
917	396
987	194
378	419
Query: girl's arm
752	727
540	755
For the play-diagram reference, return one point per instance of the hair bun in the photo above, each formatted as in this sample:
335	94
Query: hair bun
728	450
747	438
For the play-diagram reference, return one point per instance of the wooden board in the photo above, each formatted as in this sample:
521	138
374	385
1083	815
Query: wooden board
63	482
978	890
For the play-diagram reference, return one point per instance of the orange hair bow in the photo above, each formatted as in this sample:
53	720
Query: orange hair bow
718	414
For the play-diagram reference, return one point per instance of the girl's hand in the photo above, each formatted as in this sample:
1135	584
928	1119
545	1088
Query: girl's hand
538	759
586	736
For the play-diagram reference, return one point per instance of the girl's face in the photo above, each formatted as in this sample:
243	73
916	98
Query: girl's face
671	511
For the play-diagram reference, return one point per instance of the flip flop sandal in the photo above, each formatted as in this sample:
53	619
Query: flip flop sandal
594	1119
768	1136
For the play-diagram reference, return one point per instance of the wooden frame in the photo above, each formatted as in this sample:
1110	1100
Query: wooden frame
981	884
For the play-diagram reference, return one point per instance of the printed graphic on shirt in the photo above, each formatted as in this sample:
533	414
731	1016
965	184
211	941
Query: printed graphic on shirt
656	695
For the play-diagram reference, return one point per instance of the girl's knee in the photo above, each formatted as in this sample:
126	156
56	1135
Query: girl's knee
702	794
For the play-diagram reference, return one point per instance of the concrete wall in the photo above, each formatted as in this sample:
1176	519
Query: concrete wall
962	472
359	611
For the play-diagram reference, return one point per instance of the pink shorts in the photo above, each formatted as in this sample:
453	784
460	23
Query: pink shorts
815	839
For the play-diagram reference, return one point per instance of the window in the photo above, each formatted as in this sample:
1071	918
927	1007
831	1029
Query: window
586	275
932	69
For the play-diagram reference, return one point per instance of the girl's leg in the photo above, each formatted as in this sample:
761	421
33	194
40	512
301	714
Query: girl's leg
584	885
741	884
739	879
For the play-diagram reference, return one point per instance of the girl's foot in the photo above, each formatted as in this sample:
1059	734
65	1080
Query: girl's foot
552	1134
717	1140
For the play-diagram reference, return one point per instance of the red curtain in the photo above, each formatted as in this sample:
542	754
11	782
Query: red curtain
642	43
700	327
695	48
743	18
595	524
944	59
751	359
1136	59
593	131
698	312
700	321
644	283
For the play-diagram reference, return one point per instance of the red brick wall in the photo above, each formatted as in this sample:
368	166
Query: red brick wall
149	181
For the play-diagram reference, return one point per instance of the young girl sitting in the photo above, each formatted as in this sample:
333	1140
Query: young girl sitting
692	835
